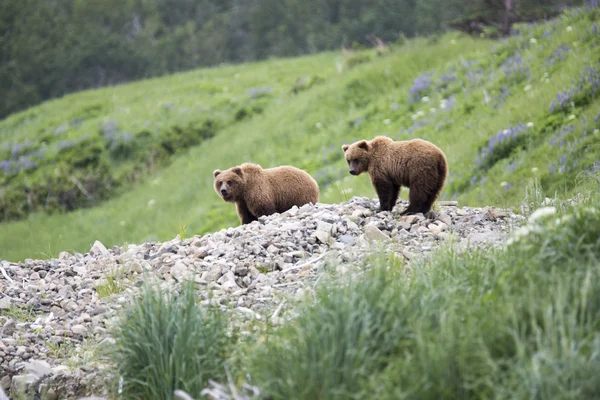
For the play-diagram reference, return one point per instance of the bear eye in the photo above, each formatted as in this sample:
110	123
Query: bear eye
229	182
219	183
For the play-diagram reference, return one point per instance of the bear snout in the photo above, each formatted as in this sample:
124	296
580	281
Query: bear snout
353	172
224	192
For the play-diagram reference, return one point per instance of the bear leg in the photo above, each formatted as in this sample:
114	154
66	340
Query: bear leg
245	215
395	195
385	192
416	200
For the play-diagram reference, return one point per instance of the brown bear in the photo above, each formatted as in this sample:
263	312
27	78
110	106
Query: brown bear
257	191
417	164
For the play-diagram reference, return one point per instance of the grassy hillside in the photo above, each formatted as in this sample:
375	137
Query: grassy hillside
502	112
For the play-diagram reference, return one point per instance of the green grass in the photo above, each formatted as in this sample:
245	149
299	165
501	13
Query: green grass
164	342
307	129
518	322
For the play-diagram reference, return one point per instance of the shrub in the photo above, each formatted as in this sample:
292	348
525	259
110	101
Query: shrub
164	342
517	322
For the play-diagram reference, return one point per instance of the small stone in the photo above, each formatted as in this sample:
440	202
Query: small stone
422	229
433	228
34	276
50	395
63	255
347	239
20	351
98	249
322	236
374	234
5	303
230	286
78	329
213	274
442	225
179	271
5	382
445	218
38	368
324	226
21	383
449	203
361	213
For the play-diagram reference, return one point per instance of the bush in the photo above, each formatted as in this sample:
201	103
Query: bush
517	322
164	342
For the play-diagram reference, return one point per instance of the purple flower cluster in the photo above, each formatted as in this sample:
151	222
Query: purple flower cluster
420	87
115	140
20	149
557	55
417	124
499	101
447	79
591	4
501	137
593	169
6	166
515	68
260	92
559	137
475	76
588	85
66	144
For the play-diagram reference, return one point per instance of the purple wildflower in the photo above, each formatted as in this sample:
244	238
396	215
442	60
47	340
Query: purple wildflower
501	137
20	148
557	55
6	166
66	144
420	86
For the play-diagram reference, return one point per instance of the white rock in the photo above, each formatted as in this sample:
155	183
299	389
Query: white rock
374	234
180	271
79	329
98	249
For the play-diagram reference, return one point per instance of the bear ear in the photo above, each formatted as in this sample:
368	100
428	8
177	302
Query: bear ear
363	145
345	147
216	172
238	171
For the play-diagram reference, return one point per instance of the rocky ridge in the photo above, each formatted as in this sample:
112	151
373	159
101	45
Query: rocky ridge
56	314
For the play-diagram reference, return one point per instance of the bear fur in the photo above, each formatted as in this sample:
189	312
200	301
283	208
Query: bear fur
417	164
257	191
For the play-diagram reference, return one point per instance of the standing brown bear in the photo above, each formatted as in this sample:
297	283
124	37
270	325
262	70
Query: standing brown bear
257	191
417	164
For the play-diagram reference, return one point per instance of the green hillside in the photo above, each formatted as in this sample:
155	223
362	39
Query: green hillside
502	112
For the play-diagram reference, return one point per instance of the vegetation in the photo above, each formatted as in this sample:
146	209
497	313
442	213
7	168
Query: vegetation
518	322
522	107
165	342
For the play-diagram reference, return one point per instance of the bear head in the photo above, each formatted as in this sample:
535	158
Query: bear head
357	156
229	184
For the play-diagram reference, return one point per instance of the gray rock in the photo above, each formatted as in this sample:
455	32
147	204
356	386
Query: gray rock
21	383
98	249
38	368
79	329
374	234
5	382
5	303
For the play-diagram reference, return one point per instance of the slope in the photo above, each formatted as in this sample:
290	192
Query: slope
504	113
